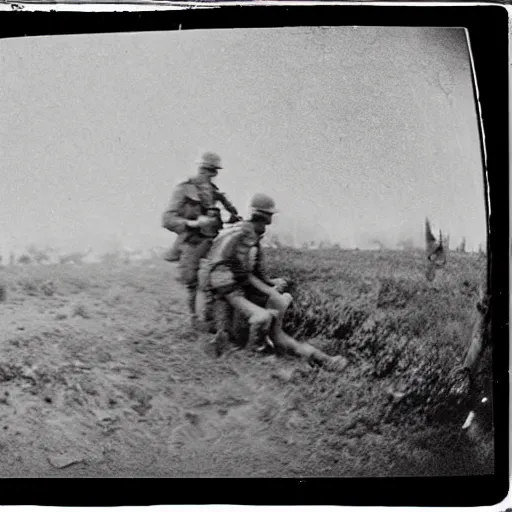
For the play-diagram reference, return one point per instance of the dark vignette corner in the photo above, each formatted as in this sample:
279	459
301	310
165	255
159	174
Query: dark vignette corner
488	31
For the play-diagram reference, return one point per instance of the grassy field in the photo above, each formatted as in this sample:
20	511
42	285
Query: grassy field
100	374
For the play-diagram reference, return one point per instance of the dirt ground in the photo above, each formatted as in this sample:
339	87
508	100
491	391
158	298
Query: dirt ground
100	375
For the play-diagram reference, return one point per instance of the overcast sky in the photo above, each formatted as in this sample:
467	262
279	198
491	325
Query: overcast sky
358	133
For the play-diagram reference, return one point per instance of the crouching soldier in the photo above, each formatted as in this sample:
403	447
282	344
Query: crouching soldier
235	276
192	214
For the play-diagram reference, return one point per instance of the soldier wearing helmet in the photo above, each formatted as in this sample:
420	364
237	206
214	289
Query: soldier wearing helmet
194	216
234	274
238	246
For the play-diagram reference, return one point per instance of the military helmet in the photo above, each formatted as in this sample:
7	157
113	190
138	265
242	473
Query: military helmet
263	203
209	160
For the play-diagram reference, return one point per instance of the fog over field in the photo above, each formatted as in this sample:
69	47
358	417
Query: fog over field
358	133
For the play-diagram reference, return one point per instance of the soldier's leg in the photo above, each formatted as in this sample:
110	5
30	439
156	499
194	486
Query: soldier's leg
223	318
191	305
201	254
208	298
206	310
189	267
290	345
268	298
280	302
259	319
224	285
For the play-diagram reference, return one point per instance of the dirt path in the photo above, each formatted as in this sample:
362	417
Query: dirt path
105	381
100	375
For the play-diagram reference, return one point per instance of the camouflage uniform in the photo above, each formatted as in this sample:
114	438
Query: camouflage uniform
191	199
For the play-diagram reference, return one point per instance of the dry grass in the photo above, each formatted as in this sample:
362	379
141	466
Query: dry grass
130	392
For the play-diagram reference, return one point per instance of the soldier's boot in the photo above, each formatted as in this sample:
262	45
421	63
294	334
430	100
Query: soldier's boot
266	345
285	343
259	327
259	319
219	344
222	315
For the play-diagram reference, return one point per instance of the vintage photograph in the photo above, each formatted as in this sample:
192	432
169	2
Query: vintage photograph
254	252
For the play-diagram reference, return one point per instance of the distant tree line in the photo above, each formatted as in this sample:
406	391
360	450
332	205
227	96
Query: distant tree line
34	255
406	244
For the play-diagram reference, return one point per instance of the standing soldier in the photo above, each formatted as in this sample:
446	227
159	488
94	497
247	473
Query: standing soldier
235	275
192	214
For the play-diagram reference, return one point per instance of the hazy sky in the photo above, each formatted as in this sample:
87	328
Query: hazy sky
357	132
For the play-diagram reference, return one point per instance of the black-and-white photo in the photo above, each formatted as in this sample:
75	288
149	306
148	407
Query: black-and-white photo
254	252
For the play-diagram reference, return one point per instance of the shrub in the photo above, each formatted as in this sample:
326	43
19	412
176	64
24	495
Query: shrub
29	286
381	313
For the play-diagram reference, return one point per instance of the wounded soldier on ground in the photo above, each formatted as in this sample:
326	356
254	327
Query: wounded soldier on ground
233	274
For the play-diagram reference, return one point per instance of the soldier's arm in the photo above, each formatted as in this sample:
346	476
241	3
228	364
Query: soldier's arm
279	284
228	205
171	218
261	285
260	270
